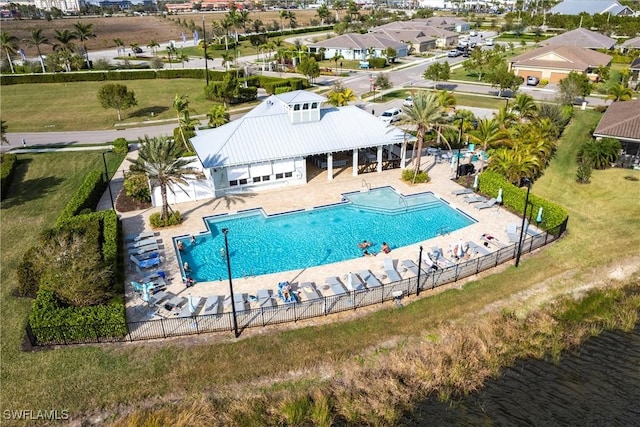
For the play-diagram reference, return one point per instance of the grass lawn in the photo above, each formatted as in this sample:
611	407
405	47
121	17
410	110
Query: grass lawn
602	229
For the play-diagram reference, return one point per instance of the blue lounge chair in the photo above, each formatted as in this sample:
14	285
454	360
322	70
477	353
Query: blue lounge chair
488	204
290	298
145	263
391	271
368	277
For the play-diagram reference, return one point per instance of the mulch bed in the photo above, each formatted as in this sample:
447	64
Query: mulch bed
125	203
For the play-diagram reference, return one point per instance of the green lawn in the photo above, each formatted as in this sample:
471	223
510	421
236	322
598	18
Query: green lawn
603	228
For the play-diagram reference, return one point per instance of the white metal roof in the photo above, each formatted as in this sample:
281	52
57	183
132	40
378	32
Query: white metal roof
267	133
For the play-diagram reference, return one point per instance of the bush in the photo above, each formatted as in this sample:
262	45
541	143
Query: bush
7	166
87	196
137	187
189	132
544	82
28	275
420	178
283	89
156	222
120	146
583	174
377	62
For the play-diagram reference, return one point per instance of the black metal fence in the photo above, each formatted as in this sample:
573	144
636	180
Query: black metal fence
260	317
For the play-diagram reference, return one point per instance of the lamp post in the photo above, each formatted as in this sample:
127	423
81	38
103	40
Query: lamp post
459	146
108	181
419	270
527	182
204	44
225	231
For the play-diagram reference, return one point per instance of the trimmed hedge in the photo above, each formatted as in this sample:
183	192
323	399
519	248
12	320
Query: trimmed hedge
86	197
155	219
513	197
51	322
120	146
7	167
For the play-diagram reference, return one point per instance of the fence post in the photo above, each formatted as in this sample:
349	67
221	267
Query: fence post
164	334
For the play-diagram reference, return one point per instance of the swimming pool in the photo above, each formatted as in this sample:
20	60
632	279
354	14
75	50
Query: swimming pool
260	244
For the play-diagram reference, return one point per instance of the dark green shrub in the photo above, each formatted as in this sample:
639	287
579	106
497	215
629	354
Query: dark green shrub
136	186
131	75
583	174
156	222
420	178
189	132
28	275
120	146
87	196
7	166
283	89
377	62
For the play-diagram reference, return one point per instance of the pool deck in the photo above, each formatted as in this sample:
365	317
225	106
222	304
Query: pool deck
318	191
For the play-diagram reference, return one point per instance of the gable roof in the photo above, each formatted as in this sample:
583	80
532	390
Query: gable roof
440	21
360	42
633	43
581	37
621	120
576	7
267	133
635	65
404	35
561	57
416	24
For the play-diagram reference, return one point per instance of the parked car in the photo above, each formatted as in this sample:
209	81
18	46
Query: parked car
532	81
408	101
390	116
454	53
473	33
488	42
136	49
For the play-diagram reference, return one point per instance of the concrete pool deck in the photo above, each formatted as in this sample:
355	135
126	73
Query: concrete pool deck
318	191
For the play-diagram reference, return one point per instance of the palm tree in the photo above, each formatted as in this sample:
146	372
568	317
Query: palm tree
65	45
600	154
171	51
323	13
447	100
84	32
119	45
159	158
182	57
525	107
425	114
226	24
619	92
337	57
181	105
218	116
487	135
153	45
227	59
505	118
514	163
36	40
243	19
10	46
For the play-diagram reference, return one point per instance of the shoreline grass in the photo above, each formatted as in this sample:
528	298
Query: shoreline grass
89	379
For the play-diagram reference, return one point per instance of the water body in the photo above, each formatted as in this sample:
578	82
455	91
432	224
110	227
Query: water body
597	384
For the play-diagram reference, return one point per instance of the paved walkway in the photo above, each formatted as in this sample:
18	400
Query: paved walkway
317	192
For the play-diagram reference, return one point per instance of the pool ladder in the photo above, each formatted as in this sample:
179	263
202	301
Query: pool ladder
366	185
402	201
442	231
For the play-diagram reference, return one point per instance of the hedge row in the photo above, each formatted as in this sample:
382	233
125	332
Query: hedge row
7	166
271	83
86	197
52	323
93	76
513	197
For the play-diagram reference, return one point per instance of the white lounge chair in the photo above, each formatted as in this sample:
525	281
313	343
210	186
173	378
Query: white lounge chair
391	271
462	191
478	249
492	241
512	232
475	198
138	237
411	266
211	306
438	257
144	249
143	242
336	285
186	309
310	291
265	299
369	278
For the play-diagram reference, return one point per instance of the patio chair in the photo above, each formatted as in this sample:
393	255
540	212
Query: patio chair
493	241
462	191
336	285
411	266
478	249
157	276
143	242
240	301
310	291
211	306
264	298
144	249
476	198
175	304
391	271
354	282
138	237
369	278
158	298
488	204
512	232
438	257
186	309
145	263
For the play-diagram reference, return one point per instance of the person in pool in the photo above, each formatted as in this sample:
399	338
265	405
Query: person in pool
364	244
385	248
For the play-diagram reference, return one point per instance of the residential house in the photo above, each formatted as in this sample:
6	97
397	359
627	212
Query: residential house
554	63
591	7
581	37
445	22
634	74
276	143
359	47
444	38
622	121
417	40
630	44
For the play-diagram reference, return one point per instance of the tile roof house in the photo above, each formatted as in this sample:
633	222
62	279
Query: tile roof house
358	47
633	43
592	7
634	74
581	37
622	121
416	39
555	62
444	37
274	144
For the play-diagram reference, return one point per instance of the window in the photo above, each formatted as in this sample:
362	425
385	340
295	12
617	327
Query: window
233	183
314	105
288	174
257	179
296	107
305	106
266	178
243	181
279	176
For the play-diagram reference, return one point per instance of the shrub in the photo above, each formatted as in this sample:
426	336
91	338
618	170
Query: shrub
420	178
7	166
377	62
583	174
156	221
28	275
600	108
87	196
600	154
284	89
120	146
137	187
544	82
189	132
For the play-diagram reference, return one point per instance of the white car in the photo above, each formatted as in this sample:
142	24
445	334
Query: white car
390	116
473	33
408	102
489	42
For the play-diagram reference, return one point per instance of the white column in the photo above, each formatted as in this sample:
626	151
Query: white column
379	159
355	162
329	166
403	155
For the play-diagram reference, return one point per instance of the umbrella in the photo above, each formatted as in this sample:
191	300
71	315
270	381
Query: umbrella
499	198
475	182
539	217
192	309
350	281
460	250
145	293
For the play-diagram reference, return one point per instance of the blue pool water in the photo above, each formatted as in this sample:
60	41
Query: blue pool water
295	240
